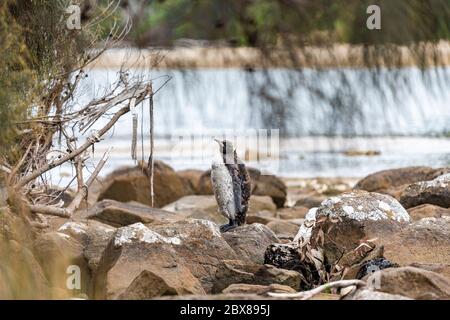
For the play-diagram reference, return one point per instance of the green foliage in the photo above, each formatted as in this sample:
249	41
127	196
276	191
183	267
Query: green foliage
15	78
260	23
38	54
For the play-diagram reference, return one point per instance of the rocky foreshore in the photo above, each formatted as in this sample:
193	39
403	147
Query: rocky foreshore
391	230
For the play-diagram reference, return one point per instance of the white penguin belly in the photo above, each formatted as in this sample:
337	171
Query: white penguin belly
223	190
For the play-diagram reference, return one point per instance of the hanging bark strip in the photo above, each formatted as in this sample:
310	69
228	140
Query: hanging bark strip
150	159
142	134
134	115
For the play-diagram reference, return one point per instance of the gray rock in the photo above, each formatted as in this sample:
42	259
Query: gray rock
427	211
411	282
120	214
201	246
435	192
139	262
344	222
237	271
368	294
388	180
93	236
250	241
133	184
361	205
205	207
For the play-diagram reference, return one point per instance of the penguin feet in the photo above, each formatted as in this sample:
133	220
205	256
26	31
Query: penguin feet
227	227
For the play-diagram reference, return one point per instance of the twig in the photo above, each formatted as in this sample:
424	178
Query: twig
305	295
50	210
5	169
75	204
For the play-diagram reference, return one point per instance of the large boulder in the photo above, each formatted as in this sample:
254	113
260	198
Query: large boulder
360	205
411	282
436	191
137	256
344	222
426	241
270	185
205	207
338	234
120	214
132	184
427	211
149	284
262	185
191	178
393	181
250	241
202	247
94	237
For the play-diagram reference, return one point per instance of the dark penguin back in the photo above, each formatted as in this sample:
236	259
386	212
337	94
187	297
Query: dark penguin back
241	185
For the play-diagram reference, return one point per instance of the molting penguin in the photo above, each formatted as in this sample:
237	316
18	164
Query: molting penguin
231	185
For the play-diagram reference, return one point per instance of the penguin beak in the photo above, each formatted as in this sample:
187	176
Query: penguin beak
218	141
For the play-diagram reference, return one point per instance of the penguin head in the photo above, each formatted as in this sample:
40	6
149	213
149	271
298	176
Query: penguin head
225	146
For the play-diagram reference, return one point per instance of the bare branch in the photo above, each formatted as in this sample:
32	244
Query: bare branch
5	169
305	295
50	210
140	96
75	204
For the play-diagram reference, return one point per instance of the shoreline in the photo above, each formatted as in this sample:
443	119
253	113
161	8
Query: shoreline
336	56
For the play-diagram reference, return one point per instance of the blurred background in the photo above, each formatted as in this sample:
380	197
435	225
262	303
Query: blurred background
345	99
